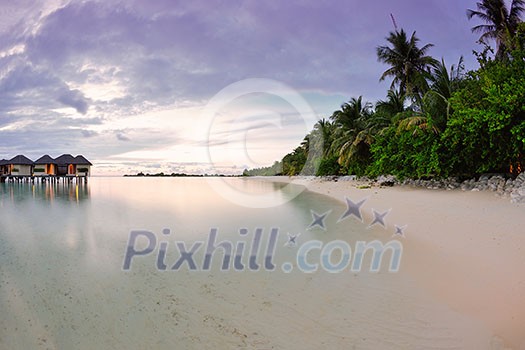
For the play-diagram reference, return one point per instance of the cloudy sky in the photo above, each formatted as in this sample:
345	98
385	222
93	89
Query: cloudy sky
146	85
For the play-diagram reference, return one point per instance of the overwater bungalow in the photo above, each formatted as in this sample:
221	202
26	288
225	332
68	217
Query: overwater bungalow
73	166
45	166
82	166
4	168
20	165
65	165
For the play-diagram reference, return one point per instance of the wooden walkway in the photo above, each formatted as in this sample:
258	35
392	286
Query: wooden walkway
43	178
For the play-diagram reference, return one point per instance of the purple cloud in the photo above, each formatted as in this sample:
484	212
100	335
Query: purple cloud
114	59
75	99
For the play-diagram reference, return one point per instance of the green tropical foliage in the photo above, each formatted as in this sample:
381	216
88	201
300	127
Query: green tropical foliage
436	120
486	132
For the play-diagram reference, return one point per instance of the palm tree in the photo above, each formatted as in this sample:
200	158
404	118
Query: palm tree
409	64
350	121
394	104
501	24
435	106
350	112
324	131
445	81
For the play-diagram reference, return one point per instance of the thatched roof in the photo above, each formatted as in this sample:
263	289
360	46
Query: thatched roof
65	159
20	160
45	160
80	160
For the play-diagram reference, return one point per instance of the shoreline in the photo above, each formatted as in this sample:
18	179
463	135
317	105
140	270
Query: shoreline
464	248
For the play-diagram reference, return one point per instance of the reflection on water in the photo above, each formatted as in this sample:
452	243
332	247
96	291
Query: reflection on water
62	247
62	285
46	191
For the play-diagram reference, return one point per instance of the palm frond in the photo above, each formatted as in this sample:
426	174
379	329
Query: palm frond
416	123
516	10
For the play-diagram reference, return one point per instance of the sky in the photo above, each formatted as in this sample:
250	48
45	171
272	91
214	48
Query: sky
197	86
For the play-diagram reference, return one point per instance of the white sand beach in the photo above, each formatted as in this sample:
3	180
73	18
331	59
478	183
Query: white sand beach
465	251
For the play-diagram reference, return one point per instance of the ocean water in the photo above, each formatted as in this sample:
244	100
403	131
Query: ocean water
62	249
64	285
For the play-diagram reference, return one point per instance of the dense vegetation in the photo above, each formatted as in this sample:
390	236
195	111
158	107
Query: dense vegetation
436	121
